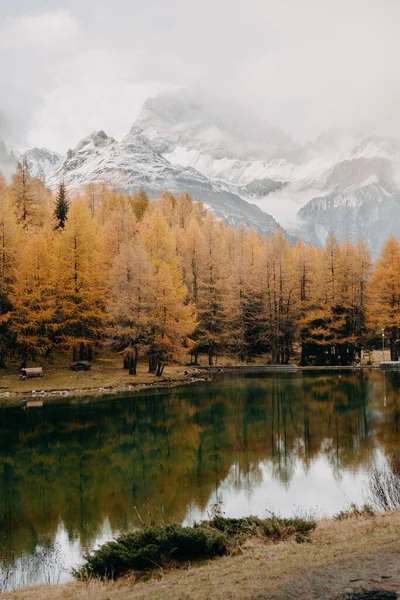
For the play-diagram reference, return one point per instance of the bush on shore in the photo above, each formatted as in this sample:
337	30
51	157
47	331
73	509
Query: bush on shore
365	510
151	548
274	528
163	546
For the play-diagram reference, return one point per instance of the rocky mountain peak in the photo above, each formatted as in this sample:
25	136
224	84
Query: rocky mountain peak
346	183
187	117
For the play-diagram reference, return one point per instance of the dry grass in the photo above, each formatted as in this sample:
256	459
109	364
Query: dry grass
260	571
105	373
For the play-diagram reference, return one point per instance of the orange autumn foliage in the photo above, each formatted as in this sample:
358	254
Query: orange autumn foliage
166	278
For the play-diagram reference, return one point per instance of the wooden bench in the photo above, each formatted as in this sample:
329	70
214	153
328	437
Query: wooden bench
31	372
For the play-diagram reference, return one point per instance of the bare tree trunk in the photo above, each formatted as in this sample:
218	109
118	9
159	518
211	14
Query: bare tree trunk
303	359
160	368
24	359
152	363
133	359
210	355
274	352
241	354
132	368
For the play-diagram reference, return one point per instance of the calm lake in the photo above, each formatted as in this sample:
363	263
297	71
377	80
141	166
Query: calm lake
75	475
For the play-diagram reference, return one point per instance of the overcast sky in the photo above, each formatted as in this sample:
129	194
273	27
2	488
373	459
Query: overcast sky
71	66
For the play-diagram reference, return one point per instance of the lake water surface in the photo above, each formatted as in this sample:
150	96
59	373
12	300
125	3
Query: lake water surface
75	475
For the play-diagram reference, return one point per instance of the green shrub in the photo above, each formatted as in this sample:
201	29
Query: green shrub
151	548
273	527
354	511
161	546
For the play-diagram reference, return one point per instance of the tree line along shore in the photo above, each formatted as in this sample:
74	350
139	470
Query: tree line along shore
165	278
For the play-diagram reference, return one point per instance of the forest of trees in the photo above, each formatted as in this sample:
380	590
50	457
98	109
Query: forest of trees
167	280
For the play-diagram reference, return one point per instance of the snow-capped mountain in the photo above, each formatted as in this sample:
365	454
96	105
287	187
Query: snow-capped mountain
40	160
182	119
343	183
134	164
359	197
346	184
189	119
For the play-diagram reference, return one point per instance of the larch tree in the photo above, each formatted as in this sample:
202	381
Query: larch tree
32	296
324	317
125	259
22	196
80	283
119	226
93	196
362	272
9	253
42	207
355	266
130	302
280	298
172	319
184	209
168	206
212	317
305	259
234	297
158	238
140	203
253	296
384	296
193	249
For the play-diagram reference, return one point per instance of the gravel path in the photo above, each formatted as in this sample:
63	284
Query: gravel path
365	576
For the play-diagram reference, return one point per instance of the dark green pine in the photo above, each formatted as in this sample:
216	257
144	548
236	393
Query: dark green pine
62	206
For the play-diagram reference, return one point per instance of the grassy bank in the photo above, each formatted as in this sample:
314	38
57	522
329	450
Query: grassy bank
359	553
106	376
167	546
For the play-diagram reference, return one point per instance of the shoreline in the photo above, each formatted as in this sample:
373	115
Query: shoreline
190	376
10	399
343	557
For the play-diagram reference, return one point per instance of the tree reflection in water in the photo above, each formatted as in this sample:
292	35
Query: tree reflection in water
85	464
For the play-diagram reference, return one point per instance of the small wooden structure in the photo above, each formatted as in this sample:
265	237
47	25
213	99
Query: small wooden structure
31	372
390	364
248	369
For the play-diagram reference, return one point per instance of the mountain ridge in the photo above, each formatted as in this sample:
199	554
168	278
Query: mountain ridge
133	164
244	168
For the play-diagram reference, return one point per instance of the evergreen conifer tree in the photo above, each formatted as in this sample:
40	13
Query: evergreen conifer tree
62	206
